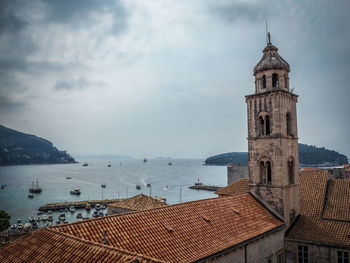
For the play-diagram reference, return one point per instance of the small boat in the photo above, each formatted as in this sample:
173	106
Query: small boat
88	207
85	164
44	218
38	219
62	217
14	226
35	225
58	222
148	185
97	206
75	192
170	163
20	227
145	160
68	177
31	196
50	218
100	214
109	165
103	207
3	186
65	222
27	226
49	212
79	216
19	221
61	210
72	209
95	214
138	187
40	213
35	189
66	209
103	185
31	219
48	224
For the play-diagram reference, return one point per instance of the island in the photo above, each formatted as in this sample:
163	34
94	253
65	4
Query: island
21	148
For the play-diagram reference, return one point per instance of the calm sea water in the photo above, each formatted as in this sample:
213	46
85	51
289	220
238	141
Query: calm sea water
168	181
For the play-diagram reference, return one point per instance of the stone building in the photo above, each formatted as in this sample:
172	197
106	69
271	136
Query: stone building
236	172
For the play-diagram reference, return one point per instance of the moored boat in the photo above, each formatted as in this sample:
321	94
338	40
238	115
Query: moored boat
50	218
75	192
20	226
88	207
19	221
103	185
62	217
72	209
97	206
14	226
27	226
79	216
35	225
44	217
35	189
31	219
85	164
138	187
30	196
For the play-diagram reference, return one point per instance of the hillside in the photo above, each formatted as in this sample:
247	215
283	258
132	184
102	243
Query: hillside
309	155
20	148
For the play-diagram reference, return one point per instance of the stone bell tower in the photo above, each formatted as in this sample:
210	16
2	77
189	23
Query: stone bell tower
273	135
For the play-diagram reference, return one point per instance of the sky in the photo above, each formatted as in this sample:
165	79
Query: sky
168	78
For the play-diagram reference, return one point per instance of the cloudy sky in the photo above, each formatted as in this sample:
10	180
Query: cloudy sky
167	78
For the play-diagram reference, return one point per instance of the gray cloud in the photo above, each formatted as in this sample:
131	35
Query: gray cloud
10	21
9	104
80	83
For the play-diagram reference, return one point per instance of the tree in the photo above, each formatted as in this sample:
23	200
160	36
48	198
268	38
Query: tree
4	220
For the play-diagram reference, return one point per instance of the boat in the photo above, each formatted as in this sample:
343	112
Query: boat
20	227
44	218
97	206
148	185
31	219
85	164
35	225
68	177
95	214
62	217
58	222
40	213
170	163
48	224
49	212
19	221
72	209
3	186
61	210
14	226
88	207
103	207
100	214
65	222
138	187
35	189
109	165
103	185
38	219
30	196
79	216
27	226
145	160
75	192
66	209
50	218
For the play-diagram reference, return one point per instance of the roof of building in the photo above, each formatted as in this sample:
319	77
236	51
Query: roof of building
236	188
49	245
178	233
138	203
271	60
325	210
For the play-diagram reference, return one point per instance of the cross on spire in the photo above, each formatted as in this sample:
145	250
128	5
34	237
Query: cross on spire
269	38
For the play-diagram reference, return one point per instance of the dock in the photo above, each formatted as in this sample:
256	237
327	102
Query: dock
205	187
77	204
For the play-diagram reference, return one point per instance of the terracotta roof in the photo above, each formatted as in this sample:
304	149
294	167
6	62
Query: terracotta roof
325	210
48	245
236	188
181	233
138	203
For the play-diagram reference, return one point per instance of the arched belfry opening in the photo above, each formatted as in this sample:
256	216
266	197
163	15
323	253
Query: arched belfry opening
291	179
264	124
265	171
275	83
264	82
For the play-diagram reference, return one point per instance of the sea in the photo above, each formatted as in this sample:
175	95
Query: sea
167	181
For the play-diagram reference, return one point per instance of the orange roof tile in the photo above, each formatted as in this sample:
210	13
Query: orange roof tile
138	203
183	232
325	210
236	188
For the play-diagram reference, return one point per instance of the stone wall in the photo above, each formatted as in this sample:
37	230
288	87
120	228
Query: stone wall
317	253
111	210
236	172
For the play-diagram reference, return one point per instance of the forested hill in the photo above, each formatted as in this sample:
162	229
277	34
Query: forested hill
309	155
20	148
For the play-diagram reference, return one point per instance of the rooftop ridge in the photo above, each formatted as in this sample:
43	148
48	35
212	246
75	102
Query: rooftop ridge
101	245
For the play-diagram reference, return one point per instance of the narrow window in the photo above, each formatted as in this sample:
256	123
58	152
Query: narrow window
343	257
291	215
275	80
262	172
280	257
264	82
285	82
261	126
303	254
289	124
291	171
267	124
269	177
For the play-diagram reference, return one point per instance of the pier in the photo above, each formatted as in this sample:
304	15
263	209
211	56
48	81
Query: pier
199	186
77	204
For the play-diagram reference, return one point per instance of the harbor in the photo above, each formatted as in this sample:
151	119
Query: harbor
76	204
205	187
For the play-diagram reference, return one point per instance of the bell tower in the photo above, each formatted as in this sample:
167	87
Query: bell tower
273	135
